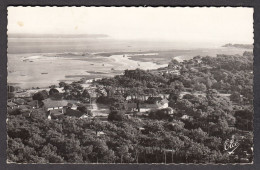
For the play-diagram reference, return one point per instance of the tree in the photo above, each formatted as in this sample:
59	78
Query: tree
56	96
174	95
200	87
173	63
84	109
49	152
235	97
40	95
62	84
77	86
53	91
198	135
116	115
208	83
123	152
85	93
244	119
52	86
68	87
177	85
184	105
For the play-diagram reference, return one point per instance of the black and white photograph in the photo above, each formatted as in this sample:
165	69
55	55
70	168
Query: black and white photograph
130	85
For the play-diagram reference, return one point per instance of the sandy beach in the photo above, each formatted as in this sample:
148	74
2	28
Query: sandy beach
34	70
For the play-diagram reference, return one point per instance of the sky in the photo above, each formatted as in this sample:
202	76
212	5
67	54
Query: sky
138	23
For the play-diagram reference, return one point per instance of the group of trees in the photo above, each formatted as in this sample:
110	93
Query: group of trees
38	140
73	91
216	79
158	138
225	73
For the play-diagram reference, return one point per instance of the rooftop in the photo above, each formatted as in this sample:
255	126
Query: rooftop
56	112
150	106
49	103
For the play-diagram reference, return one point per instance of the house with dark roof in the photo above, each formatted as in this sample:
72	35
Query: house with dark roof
56	114
49	104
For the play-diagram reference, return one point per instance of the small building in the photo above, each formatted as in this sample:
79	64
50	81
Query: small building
100	133
175	72
140	97
56	114
141	128
84	116
148	107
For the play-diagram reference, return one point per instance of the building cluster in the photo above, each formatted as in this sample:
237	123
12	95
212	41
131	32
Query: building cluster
58	108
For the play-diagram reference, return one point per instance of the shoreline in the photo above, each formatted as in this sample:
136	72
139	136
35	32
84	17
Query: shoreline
29	70
80	67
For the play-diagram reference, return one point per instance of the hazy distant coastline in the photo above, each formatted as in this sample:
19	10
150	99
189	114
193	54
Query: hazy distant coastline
13	35
245	46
